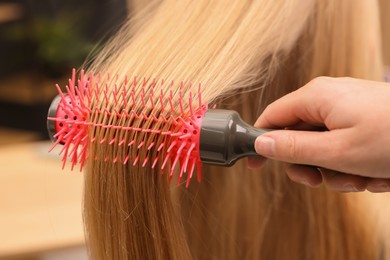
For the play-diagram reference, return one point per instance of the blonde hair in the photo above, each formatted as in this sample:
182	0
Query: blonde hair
245	54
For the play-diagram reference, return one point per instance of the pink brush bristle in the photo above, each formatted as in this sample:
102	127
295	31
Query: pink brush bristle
90	96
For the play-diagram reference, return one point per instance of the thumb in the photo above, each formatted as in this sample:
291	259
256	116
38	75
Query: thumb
300	147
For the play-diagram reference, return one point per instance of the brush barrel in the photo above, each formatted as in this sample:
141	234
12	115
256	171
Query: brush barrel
225	137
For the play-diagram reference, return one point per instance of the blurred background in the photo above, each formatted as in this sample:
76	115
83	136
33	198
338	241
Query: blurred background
40	42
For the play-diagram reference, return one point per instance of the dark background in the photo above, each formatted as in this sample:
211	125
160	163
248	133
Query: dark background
40	42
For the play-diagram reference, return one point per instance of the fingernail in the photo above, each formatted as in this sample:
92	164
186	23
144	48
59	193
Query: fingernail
265	145
350	188
304	182
381	187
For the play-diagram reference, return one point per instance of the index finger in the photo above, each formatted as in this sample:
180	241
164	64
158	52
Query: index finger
307	104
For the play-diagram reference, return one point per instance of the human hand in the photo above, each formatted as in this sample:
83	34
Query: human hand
353	154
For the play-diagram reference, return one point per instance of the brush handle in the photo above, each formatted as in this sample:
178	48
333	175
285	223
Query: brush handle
225	137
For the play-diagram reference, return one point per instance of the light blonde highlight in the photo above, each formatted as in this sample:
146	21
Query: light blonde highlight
245	54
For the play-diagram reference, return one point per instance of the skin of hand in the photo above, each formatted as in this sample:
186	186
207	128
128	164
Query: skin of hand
351	153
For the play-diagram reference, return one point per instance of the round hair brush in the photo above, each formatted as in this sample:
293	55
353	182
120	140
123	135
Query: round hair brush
146	128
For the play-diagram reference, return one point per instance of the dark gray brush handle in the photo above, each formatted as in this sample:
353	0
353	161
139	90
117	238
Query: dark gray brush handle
225	137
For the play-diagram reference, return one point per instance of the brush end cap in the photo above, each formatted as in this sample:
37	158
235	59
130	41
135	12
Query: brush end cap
52	113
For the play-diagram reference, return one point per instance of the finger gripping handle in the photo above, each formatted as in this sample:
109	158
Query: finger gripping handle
225	137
